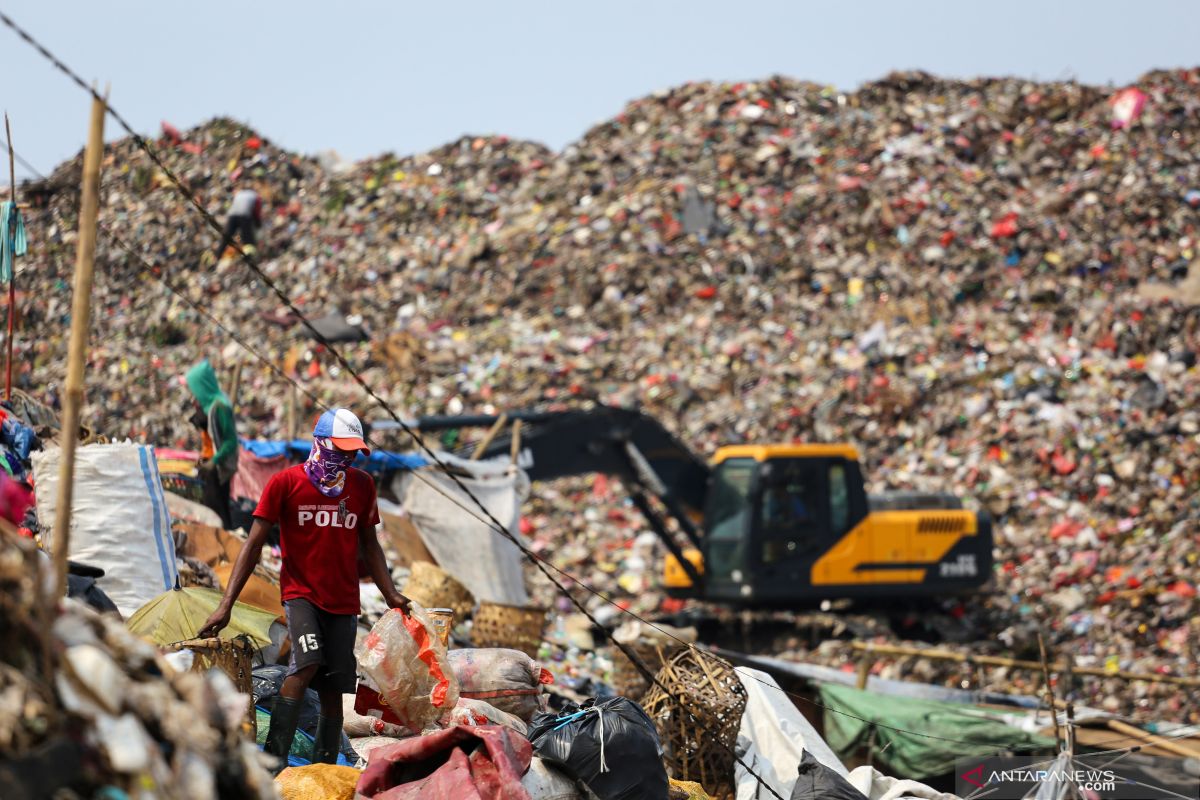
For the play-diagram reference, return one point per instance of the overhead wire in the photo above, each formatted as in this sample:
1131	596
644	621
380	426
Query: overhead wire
538	561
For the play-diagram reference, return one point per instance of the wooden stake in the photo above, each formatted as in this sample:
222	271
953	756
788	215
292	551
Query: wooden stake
864	669
291	413
1016	663
489	436
12	279
237	384
1050	692
81	311
516	441
1151	740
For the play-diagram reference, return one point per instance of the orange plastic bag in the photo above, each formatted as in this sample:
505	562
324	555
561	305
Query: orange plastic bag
407	664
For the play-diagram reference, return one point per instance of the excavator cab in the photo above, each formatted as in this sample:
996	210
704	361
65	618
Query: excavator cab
792	523
768	525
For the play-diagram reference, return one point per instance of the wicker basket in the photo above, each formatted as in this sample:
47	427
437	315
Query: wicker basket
628	680
515	627
699	737
433	587
234	657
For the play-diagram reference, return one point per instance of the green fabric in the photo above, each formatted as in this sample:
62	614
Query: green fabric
178	614
12	238
202	381
225	440
972	731
302	743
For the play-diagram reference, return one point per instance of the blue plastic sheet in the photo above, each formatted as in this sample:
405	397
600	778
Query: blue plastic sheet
378	461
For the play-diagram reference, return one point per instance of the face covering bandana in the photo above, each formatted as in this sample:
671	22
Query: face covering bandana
326	467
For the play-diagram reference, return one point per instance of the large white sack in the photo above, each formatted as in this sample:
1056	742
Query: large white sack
772	739
119	519
877	786
471	550
544	782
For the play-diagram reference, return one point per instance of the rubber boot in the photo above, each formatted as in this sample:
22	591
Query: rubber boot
328	740
284	719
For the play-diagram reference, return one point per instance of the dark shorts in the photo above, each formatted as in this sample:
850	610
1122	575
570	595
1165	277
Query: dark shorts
319	637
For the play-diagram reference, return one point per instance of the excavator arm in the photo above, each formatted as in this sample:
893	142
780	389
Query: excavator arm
626	444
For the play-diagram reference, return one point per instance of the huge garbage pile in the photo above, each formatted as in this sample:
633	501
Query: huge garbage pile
987	285
90	710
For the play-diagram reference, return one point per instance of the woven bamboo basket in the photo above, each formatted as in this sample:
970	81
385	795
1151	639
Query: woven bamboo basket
627	679
698	733
433	587
514	627
234	657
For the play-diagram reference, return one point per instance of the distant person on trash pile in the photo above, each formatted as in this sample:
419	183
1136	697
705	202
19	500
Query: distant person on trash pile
213	415
245	217
326	511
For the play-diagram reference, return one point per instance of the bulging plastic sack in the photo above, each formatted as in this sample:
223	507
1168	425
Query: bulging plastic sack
479	712
612	747
509	680
407	663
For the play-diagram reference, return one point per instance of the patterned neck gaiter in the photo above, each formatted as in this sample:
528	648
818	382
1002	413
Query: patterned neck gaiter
326	467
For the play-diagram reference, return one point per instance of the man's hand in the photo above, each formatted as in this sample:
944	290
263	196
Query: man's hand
397	600
216	623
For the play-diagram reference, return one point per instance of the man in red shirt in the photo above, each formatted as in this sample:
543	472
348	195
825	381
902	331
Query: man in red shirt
327	513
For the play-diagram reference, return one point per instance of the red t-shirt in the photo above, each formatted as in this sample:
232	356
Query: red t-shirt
319	536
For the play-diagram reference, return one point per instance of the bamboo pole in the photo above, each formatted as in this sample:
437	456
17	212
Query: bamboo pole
1002	661
237	384
1050	692
12	279
489	436
516	441
1151	739
81	309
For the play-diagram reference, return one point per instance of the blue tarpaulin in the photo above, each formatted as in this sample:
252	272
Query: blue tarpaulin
378	461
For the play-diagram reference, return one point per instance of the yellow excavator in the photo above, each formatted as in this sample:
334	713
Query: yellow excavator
784	526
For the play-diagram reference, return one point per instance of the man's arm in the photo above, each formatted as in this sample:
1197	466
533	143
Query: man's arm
242	568
372	553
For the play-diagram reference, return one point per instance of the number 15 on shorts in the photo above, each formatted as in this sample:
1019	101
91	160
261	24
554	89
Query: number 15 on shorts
309	642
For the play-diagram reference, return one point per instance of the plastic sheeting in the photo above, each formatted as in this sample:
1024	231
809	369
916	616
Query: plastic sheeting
119	519
773	738
466	547
877	786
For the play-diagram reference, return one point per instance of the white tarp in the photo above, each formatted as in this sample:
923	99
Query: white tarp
119	519
773	738
465	546
877	786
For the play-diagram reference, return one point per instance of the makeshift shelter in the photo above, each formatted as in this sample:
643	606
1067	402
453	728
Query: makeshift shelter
856	718
464	545
335	327
178	614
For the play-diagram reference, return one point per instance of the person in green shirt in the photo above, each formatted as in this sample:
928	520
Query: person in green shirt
219	453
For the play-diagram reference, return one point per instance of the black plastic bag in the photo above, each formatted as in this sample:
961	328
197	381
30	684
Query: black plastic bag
611	747
266	681
819	782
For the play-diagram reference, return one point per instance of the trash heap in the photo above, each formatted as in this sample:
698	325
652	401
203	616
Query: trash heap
988	286
90	708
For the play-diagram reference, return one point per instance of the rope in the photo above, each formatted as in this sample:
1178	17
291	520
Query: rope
540	563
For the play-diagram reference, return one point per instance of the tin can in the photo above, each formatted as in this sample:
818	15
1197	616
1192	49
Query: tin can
443	622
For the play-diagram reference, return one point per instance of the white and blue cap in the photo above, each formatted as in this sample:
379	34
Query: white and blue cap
342	427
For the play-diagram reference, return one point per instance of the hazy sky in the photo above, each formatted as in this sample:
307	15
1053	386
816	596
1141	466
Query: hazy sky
365	78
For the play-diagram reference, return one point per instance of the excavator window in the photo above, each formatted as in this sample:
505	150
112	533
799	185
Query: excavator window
726	516
839	499
792	509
